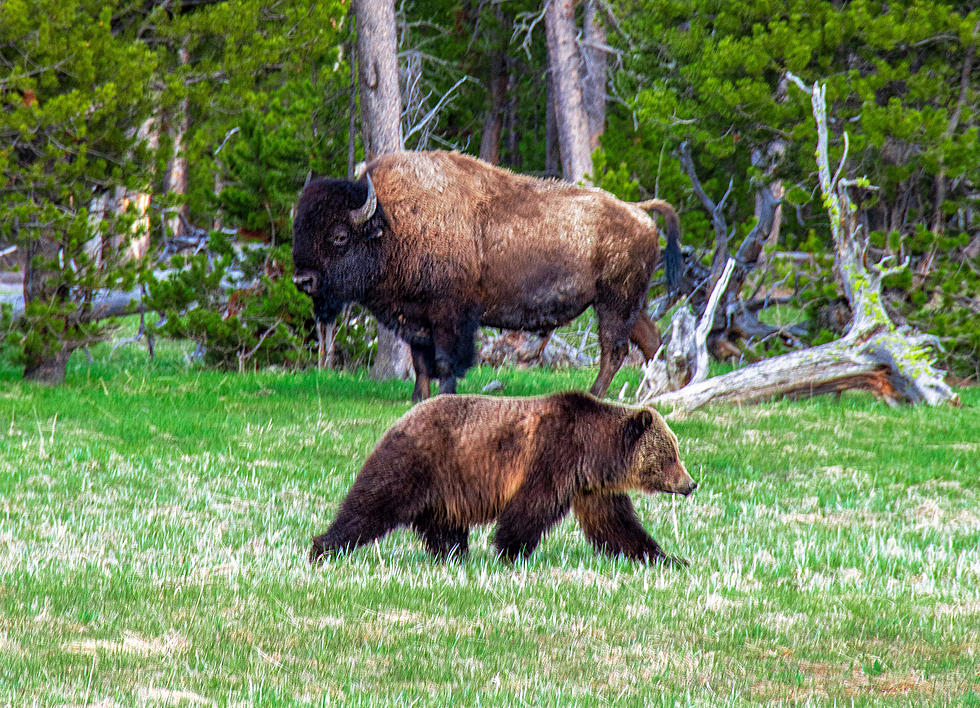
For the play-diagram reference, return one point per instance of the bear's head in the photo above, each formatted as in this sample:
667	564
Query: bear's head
653	458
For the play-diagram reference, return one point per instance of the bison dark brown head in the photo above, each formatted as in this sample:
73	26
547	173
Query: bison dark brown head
336	243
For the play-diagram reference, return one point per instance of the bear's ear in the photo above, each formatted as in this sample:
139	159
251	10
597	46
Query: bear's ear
637	424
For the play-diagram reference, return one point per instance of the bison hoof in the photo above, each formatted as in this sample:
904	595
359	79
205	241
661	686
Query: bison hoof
447	386
444	367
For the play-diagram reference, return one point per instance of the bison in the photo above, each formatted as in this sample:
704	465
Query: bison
434	244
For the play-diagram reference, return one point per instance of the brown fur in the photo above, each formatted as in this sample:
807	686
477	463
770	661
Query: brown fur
458	243
458	461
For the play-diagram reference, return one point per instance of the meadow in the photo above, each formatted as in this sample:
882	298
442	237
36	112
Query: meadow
155	520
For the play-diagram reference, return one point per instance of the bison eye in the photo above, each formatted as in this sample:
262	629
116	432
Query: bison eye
339	235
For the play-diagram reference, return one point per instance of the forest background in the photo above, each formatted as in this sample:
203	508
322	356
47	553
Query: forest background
158	148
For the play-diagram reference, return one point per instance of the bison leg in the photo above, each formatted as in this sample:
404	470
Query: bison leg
454	347
610	523
424	363
614	330
645	335
443	540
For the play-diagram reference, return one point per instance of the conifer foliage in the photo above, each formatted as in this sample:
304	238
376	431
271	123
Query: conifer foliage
72	153
98	99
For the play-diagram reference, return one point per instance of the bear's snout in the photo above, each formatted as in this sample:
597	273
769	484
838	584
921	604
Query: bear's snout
678	480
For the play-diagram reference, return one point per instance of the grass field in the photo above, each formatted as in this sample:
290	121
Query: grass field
155	520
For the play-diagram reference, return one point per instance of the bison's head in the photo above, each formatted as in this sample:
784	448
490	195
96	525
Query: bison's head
335	234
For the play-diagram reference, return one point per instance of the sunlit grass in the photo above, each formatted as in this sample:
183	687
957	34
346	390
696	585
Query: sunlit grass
155	519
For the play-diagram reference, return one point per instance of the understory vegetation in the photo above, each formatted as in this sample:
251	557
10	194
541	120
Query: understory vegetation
155	519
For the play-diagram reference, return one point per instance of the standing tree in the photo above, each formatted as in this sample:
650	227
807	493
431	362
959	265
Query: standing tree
566	77
381	127
595	62
74	97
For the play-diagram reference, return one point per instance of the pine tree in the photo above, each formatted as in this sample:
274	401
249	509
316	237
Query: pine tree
73	98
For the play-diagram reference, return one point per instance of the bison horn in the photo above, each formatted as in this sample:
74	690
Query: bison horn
360	215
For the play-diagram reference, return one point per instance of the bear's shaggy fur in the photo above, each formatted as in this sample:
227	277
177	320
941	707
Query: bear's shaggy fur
456	461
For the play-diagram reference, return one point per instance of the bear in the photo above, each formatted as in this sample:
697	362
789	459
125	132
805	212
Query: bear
456	461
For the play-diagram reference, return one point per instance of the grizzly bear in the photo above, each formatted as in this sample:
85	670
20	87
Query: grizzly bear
456	461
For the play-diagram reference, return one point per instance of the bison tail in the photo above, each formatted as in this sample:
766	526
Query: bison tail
672	254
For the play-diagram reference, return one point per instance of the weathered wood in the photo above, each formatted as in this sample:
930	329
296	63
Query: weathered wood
734	320
685	359
564	65
377	64
873	354
515	348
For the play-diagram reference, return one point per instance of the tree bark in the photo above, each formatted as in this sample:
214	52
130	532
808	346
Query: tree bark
552	158
497	87
377	71
494	122
596	61
563	61
175	180
49	370
685	359
736	319
377	61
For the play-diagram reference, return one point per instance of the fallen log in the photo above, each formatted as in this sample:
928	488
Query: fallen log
864	361
102	306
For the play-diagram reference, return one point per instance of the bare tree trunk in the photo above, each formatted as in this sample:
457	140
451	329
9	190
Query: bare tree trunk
563	61
351	104
552	160
136	244
685	358
596	61
175	180
494	122
377	46
513	129
499	75
47	366
737	319
377	72
954	121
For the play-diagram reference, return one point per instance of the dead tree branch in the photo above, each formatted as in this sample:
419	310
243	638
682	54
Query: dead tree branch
873	354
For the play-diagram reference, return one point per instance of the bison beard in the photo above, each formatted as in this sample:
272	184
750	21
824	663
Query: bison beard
435	244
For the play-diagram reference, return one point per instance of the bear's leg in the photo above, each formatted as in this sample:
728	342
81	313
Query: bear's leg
612	527
442	539
528	516
352	528
381	499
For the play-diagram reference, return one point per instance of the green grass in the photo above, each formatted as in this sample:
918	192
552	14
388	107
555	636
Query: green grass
155	520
